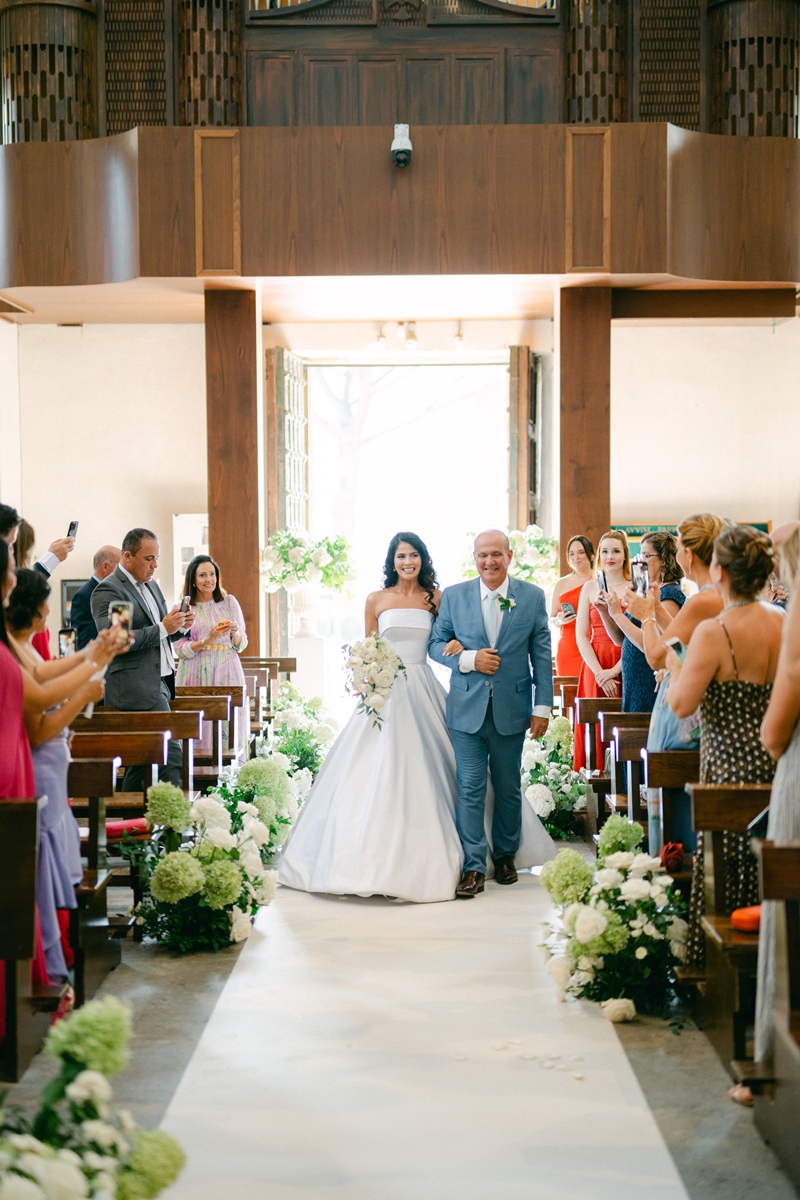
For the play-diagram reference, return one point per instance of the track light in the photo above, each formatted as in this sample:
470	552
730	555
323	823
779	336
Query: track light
411	334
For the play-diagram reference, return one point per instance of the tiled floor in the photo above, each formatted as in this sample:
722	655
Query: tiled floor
365	1050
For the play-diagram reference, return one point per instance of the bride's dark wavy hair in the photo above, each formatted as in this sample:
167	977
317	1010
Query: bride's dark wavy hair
427	575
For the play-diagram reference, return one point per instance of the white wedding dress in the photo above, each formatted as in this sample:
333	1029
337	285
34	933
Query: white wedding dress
380	818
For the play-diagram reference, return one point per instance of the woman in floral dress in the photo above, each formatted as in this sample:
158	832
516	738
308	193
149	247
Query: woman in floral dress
210	654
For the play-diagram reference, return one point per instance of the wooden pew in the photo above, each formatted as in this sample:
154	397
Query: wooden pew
615	782
185	726
777	1101
27	1007
563	681
587	713
91	931
628	743
133	750
216	710
569	692
726	1003
669	771
236	694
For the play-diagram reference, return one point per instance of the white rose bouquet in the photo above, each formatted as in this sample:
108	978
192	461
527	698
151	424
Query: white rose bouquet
292	560
372	667
554	791
618	934
535	557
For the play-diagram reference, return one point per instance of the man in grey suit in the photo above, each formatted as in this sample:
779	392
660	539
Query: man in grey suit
502	625
143	680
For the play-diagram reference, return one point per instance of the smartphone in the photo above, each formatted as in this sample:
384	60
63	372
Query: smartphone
640	577
73	529
120	615
568	610
678	646
67	642
185	602
601	581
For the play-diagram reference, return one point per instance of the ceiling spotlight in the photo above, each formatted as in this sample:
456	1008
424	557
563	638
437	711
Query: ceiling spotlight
459	338
411	333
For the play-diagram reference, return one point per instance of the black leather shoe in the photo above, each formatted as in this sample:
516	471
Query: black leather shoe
469	885
504	869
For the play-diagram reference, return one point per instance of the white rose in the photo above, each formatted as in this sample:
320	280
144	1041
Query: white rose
609	878
581	978
635	889
589	924
208	811
313	574
385	678
257	830
677	930
219	838
586	964
678	949
618	1010
320	557
241	925
296	554
325	733
250	860
244	807
660	899
569	915
560	972
620	861
89	1085
641	952
301	782
377	700
652	932
643	864
292	584
265	893
14	1187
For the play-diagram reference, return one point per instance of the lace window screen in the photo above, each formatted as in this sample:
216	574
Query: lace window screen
293	453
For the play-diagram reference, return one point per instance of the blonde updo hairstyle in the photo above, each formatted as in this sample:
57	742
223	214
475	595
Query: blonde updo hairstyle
748	558
698	534
789	559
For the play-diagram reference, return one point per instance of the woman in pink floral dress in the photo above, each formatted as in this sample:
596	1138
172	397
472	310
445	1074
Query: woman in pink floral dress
210	653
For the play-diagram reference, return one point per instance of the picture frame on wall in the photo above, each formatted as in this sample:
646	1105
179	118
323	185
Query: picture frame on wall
635	533
68	589
189	537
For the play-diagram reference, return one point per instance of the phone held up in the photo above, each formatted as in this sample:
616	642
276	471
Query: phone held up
639	576
72	532
568	610
67	642
601	581
185	602
678	646
120	615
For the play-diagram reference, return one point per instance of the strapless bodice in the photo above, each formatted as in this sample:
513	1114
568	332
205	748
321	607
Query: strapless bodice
408	629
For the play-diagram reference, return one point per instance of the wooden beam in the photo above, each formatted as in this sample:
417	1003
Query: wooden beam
232	365
633	303
584	348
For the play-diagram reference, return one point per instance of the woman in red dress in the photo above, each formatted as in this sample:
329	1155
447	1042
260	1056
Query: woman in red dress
566	595
601	665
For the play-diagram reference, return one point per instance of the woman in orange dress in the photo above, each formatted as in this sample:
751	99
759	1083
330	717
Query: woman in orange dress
601	666
566	595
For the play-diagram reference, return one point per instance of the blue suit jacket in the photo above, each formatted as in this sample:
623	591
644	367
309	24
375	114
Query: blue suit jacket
80	613
524	646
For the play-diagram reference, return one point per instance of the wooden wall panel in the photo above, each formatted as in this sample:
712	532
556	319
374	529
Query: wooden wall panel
427	88
271	89
377	88
477	90
534	88
217	202
639	198
588	210
166	202
234	494
584	349
326	84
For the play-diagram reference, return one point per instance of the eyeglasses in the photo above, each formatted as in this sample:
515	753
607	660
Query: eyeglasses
647	557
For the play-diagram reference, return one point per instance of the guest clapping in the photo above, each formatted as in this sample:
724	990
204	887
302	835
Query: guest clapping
564	605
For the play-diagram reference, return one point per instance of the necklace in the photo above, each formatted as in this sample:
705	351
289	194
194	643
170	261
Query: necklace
737	604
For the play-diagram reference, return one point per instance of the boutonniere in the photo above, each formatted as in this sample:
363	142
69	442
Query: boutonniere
506	602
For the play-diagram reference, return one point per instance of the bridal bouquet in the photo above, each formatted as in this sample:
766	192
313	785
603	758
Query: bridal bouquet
618	934
292	560
76	1145
535	557
372	667
554	791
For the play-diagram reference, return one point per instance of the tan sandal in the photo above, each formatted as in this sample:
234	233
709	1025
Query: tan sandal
741	1094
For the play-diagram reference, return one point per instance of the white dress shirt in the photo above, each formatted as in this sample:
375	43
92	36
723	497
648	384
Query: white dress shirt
48	562
466	663
167	661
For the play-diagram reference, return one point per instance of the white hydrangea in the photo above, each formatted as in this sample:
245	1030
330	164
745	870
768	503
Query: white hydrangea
60	1180
540	799
89	1086
14	1187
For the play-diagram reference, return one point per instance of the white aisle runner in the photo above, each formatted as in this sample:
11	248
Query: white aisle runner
365	1050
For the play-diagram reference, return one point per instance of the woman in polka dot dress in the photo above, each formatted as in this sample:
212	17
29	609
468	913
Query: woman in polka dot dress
728	671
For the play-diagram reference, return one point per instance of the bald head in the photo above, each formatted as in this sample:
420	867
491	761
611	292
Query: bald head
492	555
105	561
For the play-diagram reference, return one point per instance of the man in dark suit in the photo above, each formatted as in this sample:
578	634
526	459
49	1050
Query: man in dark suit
143	680
104	563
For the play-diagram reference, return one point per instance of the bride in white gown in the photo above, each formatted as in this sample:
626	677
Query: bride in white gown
380	818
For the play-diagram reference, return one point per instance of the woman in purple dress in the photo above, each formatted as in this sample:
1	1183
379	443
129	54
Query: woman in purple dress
210	654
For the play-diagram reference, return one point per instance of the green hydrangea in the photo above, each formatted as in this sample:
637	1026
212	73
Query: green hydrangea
177	876
559	733
264	777
617	834
167	805
613	939
96	1036
156	1162
567	877
223	883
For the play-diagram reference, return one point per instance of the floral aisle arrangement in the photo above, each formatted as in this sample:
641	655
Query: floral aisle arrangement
299	737
205	870
555	792
76	1145
372	666
292	560
535	557
618	934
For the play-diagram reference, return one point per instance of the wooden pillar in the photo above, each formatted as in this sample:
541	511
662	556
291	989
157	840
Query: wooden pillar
584	347
232	398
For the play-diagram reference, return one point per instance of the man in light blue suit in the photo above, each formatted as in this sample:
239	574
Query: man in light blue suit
507	657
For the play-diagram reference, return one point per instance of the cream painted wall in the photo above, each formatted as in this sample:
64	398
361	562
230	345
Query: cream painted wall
705	419
113	434
10	462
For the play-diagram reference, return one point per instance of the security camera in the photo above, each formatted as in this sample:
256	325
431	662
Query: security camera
401	146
